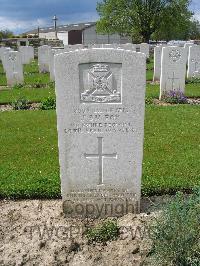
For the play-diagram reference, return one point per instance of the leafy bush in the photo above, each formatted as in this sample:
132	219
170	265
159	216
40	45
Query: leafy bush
20	104
48	104
176	234
107	231
174	96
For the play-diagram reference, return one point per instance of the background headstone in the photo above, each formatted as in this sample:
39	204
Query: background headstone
27	54
144	48
173	69
14	68
194	62
157	62
43	58
187	46
100	95
52	54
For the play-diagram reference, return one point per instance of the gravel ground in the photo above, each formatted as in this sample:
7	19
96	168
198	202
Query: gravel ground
35	232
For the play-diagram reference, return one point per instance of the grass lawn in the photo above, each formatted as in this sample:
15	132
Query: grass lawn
31	94
29	156
39	94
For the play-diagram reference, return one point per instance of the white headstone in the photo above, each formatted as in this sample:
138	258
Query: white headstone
194	62
27	53
14	68
187	46
157	62
43	58
100	95
52	54
4	57
173	69
144	48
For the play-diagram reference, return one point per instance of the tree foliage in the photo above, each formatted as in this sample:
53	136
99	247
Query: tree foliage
144	19
4	34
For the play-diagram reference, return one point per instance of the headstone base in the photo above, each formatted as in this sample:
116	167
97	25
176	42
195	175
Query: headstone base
100	204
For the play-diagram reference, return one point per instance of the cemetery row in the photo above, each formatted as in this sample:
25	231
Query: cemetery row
169	62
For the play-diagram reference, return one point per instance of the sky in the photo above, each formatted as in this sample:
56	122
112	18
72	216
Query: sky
23	15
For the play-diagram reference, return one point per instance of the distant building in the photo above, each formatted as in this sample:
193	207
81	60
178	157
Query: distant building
82	33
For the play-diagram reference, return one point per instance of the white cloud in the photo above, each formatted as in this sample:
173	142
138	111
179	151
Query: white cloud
197	15
20	25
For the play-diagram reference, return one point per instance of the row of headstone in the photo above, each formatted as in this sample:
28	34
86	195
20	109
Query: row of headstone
46	54
13	62
170	65
143	47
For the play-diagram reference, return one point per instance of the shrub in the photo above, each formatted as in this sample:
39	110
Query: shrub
107	231
176	234
48	104
175	97
20	104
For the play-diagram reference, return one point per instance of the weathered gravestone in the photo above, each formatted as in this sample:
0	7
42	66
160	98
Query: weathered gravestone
194	62
100	115
157	62
43	58
173	69
144	48
14	68
27	54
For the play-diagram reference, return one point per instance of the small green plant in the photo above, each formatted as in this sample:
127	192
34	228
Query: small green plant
149	100
107	231
176	234
18	86
48	104
20	104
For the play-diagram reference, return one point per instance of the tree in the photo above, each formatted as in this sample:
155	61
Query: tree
142	19
5	34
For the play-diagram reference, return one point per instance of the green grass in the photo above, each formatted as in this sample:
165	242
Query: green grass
32	95
171	149
150	67
29	156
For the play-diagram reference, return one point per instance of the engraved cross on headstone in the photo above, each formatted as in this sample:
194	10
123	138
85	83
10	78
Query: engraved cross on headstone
173	79
100	155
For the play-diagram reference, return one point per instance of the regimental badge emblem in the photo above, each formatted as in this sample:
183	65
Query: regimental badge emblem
175	55
100	90
12	57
